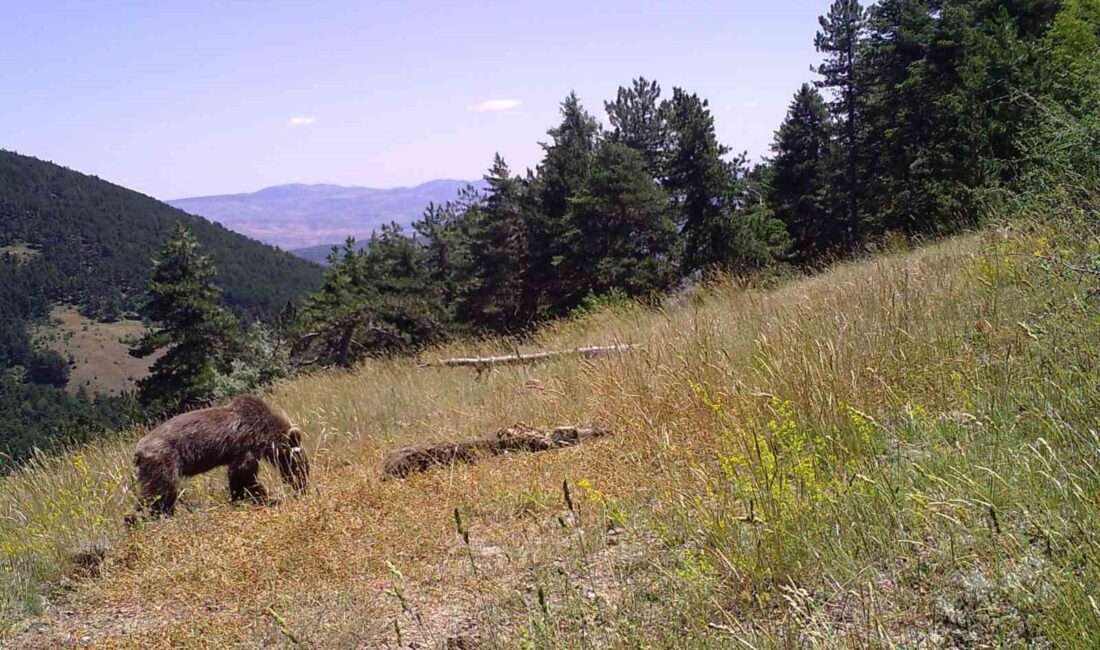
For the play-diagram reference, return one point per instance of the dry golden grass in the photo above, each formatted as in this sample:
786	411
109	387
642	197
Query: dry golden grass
103	364
846	460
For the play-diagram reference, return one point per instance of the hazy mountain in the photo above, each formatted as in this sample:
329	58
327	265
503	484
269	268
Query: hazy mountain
298	216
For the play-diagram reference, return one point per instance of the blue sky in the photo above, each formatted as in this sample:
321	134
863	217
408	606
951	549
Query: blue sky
182	99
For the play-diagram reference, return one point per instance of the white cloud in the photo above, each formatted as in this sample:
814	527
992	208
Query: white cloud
752	103
495	105
300	120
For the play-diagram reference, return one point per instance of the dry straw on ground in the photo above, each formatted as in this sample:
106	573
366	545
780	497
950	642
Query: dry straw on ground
893	453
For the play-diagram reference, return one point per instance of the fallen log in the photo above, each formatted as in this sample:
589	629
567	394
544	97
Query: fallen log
483	363
398	463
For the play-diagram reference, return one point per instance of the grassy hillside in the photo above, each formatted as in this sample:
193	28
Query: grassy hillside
899	452
101	363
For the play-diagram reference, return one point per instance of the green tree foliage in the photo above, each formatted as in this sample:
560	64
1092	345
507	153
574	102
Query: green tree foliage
705	191
931	102
338	310
800	175
624	236
639	123
373	301
604	214
933	110
749	237
839	40
94	242
445	232
90	246
555	282
47	367
497	296
1061	156
188	324
697	180
35	416
410	308
261	358
943	117
1074	45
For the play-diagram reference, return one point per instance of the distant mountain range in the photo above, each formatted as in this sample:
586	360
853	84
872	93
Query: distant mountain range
311	217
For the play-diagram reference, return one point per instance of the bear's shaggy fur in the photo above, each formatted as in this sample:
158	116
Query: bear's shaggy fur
238	436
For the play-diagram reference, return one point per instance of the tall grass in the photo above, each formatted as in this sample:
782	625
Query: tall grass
901	451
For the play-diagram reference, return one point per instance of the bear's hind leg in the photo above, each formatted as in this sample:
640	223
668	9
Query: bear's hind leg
160	485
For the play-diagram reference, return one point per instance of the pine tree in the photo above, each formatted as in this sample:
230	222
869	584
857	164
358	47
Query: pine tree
498	255
799	182
379	300
944	121
758	239
638	122
1074	45
698	179
906	193
554	283
195	332
446	241
332	317
409	311
839	40
625	237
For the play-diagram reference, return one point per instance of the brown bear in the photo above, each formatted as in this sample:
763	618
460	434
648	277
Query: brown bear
238	435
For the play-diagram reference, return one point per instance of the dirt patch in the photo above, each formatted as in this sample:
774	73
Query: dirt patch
101	361
22	253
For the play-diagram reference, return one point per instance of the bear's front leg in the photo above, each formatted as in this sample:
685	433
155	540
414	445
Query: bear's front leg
244	481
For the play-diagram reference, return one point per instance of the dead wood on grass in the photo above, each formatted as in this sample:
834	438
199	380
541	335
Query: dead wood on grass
398	463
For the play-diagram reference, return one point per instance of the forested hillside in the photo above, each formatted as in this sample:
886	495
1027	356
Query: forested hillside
69	238
95	241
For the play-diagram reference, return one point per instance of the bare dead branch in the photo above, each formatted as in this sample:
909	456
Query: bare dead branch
484	363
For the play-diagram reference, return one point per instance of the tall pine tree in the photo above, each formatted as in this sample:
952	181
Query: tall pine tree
446	234
499	259
800	174
698	179
839	40
638	122
625	237
378	300
555	281
194	331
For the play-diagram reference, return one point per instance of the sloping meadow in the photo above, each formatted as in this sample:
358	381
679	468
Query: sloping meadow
900	451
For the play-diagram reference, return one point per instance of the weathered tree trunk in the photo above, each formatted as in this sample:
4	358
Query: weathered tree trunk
399	463
343	348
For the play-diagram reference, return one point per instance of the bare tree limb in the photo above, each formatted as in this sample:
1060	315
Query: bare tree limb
484	363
